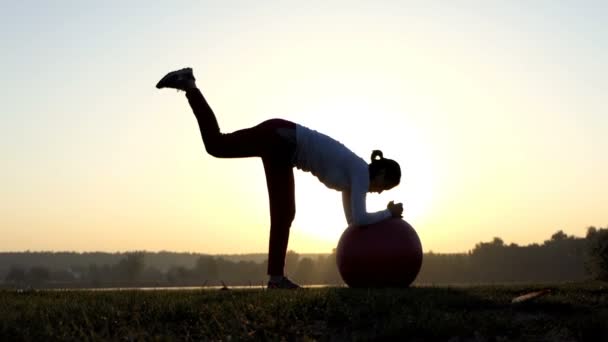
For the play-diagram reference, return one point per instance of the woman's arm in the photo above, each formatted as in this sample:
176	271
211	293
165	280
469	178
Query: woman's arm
355	209
346	204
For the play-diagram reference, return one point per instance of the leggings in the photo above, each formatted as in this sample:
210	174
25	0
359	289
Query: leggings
276	152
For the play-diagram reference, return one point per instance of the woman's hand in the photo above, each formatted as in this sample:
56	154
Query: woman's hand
395	209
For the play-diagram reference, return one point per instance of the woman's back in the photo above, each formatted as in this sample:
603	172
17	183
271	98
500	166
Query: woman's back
327	159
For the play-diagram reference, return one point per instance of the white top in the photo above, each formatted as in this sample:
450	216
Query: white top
338	168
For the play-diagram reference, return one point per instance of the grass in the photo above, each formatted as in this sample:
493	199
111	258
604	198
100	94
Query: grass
569	312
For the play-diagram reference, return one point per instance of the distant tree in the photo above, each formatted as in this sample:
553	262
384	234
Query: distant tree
305	271
93	275
329	270
63	276
38	275
77	270
152	275
558	236
206	268
16	275
178	275
597	263
291	261
498	242
131	267
591	231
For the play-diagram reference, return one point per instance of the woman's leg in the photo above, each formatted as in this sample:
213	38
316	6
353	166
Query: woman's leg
250	142
280	183
263	140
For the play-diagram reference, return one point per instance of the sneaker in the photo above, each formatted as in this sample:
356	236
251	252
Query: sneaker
182	79
284	283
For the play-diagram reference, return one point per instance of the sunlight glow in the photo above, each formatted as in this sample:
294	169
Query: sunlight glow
496	115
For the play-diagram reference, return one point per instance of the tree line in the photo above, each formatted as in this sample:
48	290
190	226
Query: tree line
562	258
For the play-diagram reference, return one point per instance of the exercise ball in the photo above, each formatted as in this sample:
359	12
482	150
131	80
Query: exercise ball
383	254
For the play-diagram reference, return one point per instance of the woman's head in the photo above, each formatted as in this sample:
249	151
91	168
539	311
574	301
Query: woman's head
384	174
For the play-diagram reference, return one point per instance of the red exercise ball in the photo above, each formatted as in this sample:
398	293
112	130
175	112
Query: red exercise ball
383	254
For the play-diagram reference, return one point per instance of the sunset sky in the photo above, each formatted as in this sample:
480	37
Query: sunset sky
496	110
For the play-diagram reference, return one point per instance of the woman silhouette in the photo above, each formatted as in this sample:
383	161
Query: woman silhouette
282	145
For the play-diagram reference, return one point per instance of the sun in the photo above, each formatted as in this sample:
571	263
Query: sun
319	209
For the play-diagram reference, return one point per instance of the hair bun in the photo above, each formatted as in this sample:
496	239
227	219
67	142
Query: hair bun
377	153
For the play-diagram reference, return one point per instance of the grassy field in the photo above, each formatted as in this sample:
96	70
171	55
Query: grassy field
480	313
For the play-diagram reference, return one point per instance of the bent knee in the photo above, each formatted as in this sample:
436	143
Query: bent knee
212	151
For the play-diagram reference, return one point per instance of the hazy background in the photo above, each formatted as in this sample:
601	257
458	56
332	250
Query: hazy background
495	110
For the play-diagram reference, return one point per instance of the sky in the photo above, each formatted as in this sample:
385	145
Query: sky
496	111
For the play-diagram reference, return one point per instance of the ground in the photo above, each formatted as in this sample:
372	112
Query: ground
571	312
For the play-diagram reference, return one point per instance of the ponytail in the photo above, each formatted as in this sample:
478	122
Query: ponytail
377	153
